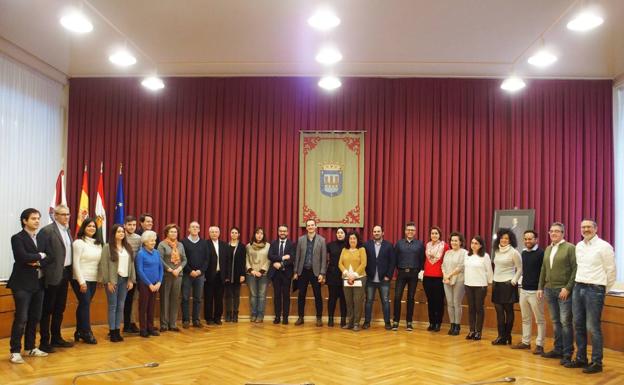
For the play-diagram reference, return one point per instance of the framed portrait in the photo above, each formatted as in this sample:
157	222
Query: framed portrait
517	220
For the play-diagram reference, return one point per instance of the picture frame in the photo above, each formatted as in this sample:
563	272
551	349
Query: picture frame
517	221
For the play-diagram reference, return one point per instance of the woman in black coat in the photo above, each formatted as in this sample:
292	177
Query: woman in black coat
334	278
235	275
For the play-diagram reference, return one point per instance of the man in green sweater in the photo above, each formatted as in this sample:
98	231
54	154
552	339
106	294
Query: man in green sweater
556	283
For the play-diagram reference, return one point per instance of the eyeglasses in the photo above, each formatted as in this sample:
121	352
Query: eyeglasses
555	231
63	214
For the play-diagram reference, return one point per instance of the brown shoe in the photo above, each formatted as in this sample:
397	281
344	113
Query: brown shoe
538	350
521	345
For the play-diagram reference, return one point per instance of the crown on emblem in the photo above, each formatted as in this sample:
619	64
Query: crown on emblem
331	166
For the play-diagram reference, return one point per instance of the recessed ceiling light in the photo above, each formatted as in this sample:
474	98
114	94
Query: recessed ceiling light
76	22
513	84
153	83
328	55
324	20
542	59
585	21
329	83
122	58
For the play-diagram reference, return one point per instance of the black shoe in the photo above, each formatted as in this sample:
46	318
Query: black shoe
197	324
115	336
319	322
235	316
593	368
153	332
299	321
477	336
174	329
451	330
186	324
470	336
163	329
228	317
88	338
388	326
457	330
366	325
576	364
436	327
395	326
343	321
131	329
59	342
144	333
276	320
47	348
218	322
552	354
508	339
209	322
409	327
539	350
430	327
500	341
565	361
285	321
330	322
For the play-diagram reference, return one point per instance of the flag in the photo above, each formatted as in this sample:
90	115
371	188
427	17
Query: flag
119	201
100	212
59	197
83	210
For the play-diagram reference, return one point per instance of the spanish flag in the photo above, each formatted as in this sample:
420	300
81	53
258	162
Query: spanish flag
83	210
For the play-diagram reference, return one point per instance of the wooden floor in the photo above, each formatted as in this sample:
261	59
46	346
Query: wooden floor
265	353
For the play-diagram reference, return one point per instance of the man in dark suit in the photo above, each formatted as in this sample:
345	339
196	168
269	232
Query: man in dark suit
380	265
310	267
26	284
56	241
281	254
215	277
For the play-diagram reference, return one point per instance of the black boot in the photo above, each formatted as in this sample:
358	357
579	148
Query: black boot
228	316
343	321
436	327
451	330
457	329
330	322
235	316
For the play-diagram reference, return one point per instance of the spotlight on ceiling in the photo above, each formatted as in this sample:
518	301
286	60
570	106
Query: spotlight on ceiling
153	83
513	84
329	83
76	22
328	56
122	58
542	59
585	21
324	20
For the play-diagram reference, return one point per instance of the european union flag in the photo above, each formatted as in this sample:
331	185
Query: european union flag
119	201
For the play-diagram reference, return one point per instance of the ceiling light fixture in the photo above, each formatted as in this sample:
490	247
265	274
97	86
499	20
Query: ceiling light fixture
122	58
542	59
329	83
513	84
324	20
585	21
76	22
153	83
328	56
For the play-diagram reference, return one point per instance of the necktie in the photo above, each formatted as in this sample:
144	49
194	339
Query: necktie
281	249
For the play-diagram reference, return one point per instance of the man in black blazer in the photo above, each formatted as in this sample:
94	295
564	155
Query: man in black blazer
380	265
56	241
215	277
282	255
26	284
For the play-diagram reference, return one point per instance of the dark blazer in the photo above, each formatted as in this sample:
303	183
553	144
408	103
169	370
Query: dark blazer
287	267
51	243
224	251
385	263
25	276
236	262
334	275
319	255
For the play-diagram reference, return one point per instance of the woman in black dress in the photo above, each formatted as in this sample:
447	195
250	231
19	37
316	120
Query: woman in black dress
334	278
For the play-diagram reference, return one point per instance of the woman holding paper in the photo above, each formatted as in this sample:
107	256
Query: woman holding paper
353	266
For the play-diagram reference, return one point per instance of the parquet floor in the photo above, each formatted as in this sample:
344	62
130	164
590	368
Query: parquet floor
269	354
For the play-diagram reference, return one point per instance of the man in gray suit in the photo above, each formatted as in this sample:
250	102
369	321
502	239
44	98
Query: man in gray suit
56	242
310	268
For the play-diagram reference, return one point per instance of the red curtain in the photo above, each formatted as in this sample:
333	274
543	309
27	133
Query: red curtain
444	152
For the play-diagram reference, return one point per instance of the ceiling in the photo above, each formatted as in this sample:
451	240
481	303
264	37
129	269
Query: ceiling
394	38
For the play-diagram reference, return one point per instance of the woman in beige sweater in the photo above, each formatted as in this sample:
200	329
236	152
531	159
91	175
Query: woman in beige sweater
257	264
353	266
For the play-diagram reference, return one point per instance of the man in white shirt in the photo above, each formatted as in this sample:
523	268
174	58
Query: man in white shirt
595	275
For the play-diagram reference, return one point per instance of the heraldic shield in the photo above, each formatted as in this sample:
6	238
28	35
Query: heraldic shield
331	180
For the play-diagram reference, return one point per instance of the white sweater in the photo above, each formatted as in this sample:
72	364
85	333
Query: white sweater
477	270
86	260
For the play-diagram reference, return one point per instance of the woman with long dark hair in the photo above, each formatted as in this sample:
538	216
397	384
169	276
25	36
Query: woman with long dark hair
334	278
507	271
236	275
477	276
453	270
432	278
87	252
257	268
118	276
353	266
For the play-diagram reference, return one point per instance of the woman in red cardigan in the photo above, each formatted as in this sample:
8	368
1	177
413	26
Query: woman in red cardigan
432	277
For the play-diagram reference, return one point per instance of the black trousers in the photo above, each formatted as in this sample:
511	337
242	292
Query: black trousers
128	306
213	298
28	307
232	297
504	318
54	302
411	280
476	298
434	289
307	277
281	294
336	294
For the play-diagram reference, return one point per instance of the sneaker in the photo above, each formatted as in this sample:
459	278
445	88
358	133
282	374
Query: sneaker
521	345
37	353
366	325
409	327
593	368
16	358
388	326
395	326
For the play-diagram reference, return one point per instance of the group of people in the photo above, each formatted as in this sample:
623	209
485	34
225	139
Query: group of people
572	279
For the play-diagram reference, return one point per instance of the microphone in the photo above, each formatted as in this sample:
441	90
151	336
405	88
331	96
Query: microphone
145	365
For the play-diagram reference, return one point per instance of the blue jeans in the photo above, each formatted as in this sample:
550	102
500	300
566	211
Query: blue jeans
257	289
83	310
116	302
28	307
196	286
587	303
561	316
384	293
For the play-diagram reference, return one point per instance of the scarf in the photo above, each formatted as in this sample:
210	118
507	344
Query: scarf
175	254
258	246
434	252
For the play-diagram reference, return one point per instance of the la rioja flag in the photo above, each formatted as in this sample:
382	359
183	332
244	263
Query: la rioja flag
59	197
100	212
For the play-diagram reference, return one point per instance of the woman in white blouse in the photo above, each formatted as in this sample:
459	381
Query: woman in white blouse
118	276
507	272
477	276
453	279
87	250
